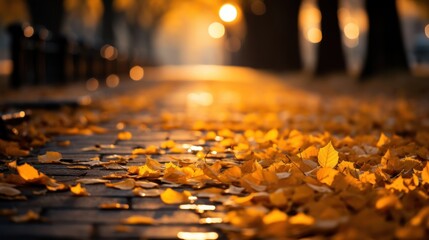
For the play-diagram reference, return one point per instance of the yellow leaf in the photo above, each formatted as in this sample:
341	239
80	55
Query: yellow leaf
382	140
388	202
151	149
309	152
50	157
168	144
328	156
125	136
153	164
275	216
326	175
169	196
302	219
78	190
28	172
271	135
425	174
127	184
138	220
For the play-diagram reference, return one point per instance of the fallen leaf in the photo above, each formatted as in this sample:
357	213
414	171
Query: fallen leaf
92	180
78	190
383	140
274	216
127	184
328	156
124	136
9	191
301	219
27	217
138	220
28	172
169	196
50	157
146	184
114	205
425	174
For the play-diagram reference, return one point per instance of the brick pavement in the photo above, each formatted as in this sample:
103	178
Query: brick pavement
69	217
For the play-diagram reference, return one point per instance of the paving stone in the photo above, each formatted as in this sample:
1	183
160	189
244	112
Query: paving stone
55	200
116	216
150	232
46	231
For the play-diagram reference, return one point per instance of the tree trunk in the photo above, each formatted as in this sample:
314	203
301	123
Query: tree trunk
385	50
272	40
47	13
330	56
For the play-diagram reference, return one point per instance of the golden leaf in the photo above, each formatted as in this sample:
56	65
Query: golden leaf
12	164
138	220
275	216
328	156
168	144
169	196
151	149
425	174
127	184
278	198
28	172
398	184
271	135
146	184
382	140
124	136
114	205
153	164
302	219
388	202
326	175
50	157
78	190
309	152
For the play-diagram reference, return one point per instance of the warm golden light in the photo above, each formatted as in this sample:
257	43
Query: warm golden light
136	73
258	7
197	235
204	99
351	31
112	81
314	35
216	30
228	12
109	52
28	31
427	31
92	84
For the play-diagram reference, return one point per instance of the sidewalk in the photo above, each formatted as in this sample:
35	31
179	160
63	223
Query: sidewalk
257	132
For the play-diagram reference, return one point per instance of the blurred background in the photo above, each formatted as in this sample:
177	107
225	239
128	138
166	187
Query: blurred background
62	41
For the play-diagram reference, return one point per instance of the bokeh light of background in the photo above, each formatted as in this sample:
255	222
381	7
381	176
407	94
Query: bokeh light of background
176	32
